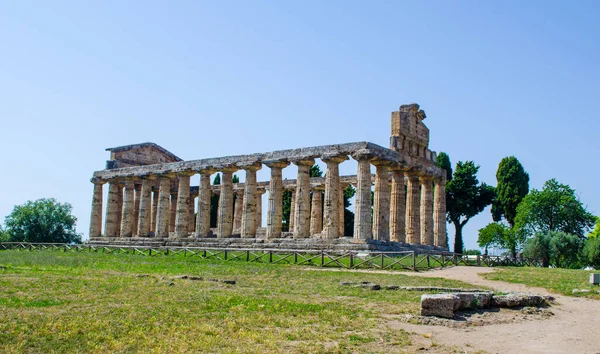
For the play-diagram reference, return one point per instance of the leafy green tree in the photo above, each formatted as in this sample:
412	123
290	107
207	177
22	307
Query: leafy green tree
591	252
214	203
596	231
348	214
491	235
315	171
43	220
236	179
554	208
465	198
472	252
287	210
443	161
555	248
538	247
3	235
512	187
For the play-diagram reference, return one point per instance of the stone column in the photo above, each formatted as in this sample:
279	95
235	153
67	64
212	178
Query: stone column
398	206
163	213
259	207
238	210
292	211
204	194
137	190
301	207
439	212
316	211
145	207
331	214
173	211
225	222
363	223
155	193
250	212
426	211
183	205
341	208
128	205
120	207
96	217
381	201
113	211
191	218
275	209
413	219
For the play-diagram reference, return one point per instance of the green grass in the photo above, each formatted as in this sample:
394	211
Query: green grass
92	302
556	280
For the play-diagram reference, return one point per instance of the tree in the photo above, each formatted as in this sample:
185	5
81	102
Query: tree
591	252
43	220
3	235
348	215
315	171
235	179
443	161
214	203
554	208
465	198
538	247
491	235
554	248
512	187
596	232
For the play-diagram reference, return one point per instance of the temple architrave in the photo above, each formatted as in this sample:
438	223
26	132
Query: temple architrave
151	202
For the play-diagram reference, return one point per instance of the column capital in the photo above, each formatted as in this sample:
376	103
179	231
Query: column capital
363	154
185	173
255	166
229	169
441	180
304	162
166	175
425	178
149	176
334	158
380	162
97	180
318	188
261	191
276	163
398	167
207	171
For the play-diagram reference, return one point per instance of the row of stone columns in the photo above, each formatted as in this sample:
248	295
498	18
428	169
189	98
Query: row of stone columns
417	217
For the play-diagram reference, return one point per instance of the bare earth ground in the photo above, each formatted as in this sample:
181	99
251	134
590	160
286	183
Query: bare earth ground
574	328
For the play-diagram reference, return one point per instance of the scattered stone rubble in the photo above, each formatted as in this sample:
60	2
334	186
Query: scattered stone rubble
189	277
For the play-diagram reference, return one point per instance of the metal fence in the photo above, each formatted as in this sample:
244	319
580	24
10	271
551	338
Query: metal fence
408	260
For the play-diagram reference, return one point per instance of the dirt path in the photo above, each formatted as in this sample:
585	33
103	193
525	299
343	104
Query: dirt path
575	327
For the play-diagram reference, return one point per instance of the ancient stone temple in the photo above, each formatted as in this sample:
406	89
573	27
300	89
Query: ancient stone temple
151	202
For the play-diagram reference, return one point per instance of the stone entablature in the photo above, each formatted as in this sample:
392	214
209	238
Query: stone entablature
156	200
139	154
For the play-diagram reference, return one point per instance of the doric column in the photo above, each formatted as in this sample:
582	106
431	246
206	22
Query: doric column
331	214
96	217
120	187
381	201
413	219
426	211
204	194
439	212
163	213
238	209
341	208
398	206
292	210
111	224
173	210
363	223
154	210
127	218
259	203
250	212
301	207
137	190
275	209
225	222
183	205
316	211
145	207
191	218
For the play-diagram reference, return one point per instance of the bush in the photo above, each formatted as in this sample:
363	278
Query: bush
472	252
591	252
555	248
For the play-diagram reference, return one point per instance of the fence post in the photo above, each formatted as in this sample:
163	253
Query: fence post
270	256
247	256
414	261
351	260
428	264
322	258
225	254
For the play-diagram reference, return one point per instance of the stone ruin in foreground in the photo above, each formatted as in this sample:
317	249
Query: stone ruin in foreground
151	203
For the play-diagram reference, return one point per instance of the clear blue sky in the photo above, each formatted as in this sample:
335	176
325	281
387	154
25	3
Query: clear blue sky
206	79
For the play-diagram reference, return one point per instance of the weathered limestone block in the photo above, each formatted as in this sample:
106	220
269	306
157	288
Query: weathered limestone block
154	210
398	206
173	211
145	207
252	200
518	299
439	305
413	219
302	201
192	214
331	215
363	223
121	188
183	205
96	217
237	212
292	211
163	213
112	210
439	212
225	220
128	206
204	194
316	211
381	203
341	208
426	211
474	300
275	208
